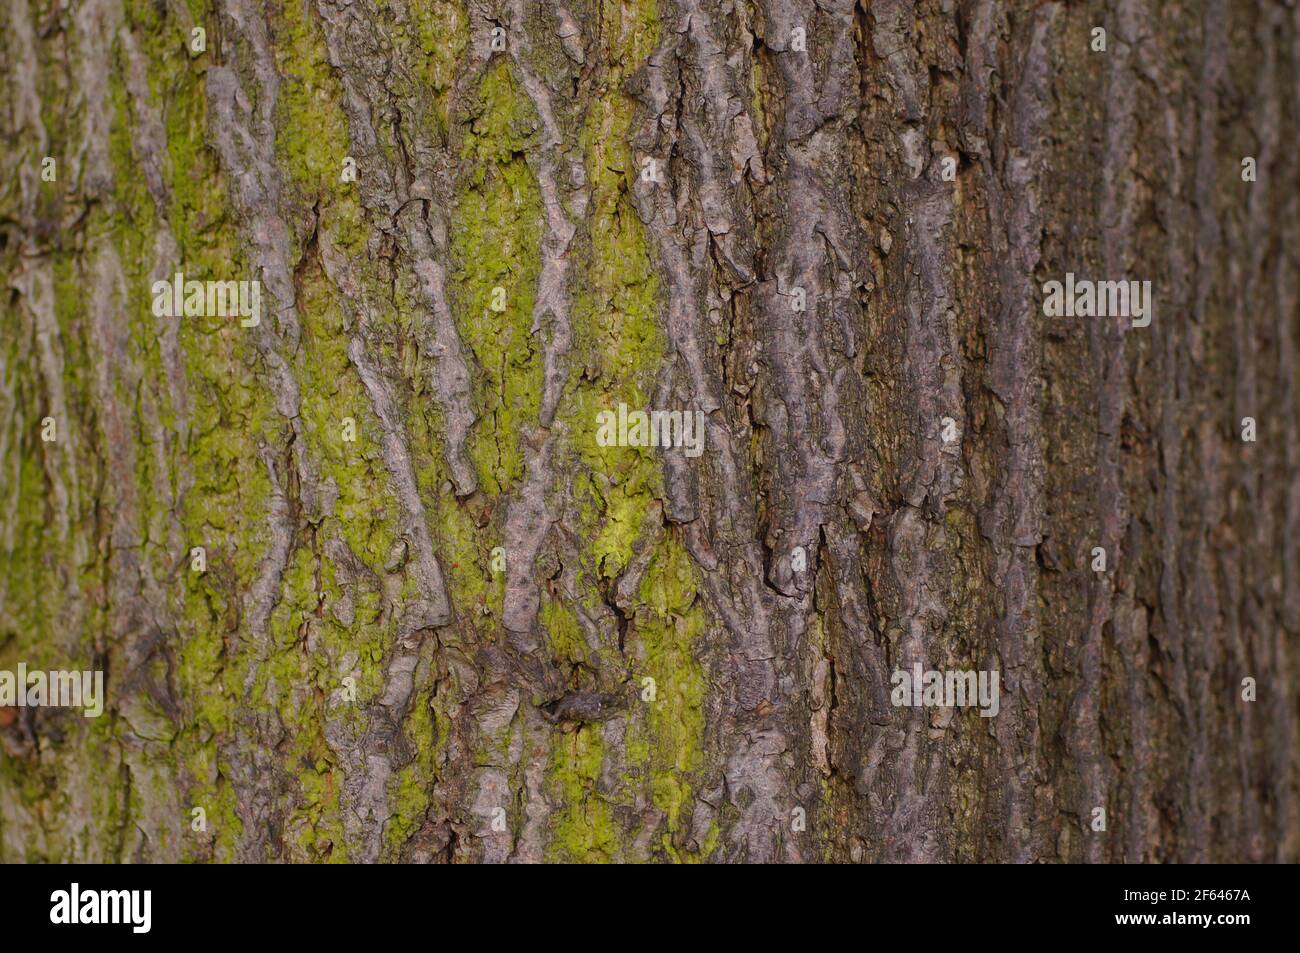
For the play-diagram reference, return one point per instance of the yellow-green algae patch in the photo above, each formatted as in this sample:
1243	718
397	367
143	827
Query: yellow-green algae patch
582	830
439	34
619	346
668	628
311	139
496	242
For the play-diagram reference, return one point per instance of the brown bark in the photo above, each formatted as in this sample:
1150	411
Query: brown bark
433	643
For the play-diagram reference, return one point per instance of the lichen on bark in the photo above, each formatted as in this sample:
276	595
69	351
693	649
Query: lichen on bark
473	633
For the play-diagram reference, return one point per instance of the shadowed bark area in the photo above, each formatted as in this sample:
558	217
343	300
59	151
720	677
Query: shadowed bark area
438	620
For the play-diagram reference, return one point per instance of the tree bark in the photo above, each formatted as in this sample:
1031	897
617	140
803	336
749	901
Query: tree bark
476	634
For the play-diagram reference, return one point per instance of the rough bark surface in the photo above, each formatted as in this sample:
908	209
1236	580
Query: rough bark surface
653	184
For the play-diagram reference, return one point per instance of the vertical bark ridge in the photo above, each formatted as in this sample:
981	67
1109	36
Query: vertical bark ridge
1014	523
1111	609
476	632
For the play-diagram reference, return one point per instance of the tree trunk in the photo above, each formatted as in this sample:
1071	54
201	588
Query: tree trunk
438	615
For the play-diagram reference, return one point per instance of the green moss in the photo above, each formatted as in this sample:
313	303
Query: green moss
409	796
365	514
321	834
475	588
675	720
33	593
227	489
441	36
616	310
582	831
218	467
311	139
311	128
496	241
563	632
619	346
56	585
